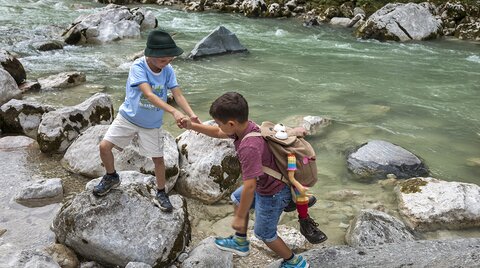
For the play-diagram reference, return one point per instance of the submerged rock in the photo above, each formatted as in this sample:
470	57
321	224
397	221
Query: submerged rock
41	193
376	159
62	80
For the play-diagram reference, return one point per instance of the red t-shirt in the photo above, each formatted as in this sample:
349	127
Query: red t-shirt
253	153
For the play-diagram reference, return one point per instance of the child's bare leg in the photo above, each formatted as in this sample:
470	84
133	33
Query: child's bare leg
279	247
106	155
159	172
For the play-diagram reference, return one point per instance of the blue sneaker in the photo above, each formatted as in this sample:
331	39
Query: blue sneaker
297	262
230	244
107	183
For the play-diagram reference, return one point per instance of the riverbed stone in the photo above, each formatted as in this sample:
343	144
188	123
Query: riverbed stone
253	8
402	22
8	87
111	23
137	265
13	66
376	159
48	45
59	128
219	41
206	255
62	80
23	117
32	258
64	256
17	142
41	193
29	86
123	226
290	235
421	253
211	167
429	204
127	159
372	227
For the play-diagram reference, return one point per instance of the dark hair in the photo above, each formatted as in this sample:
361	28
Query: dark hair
230	106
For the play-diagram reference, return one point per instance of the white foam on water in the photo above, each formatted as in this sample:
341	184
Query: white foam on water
473	58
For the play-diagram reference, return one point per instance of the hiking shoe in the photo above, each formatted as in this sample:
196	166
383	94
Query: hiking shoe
309	229
292	206
163	201
230	244
297	262
107	183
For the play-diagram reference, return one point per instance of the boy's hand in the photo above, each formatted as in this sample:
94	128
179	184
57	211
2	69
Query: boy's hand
178	116
238	224
186	123
195	119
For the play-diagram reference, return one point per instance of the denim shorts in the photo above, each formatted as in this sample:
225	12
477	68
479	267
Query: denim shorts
268	209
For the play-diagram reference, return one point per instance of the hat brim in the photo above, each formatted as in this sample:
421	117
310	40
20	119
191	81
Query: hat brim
164	52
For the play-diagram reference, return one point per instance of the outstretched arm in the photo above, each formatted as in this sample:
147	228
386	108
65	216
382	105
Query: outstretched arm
158	102
183	103
212	131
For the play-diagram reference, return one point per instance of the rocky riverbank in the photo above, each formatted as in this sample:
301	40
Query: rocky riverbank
460	19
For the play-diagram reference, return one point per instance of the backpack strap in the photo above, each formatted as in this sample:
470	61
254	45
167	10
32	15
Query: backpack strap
277	175
252	134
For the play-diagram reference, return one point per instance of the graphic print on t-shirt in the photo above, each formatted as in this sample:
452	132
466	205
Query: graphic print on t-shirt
145	104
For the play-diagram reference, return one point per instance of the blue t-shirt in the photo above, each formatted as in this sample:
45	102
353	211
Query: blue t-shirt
136	108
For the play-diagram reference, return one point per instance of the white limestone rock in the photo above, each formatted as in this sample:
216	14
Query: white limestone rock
210	167
430	204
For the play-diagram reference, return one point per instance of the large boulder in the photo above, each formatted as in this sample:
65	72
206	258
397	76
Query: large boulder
219	41
421	253
8	87
373	227
23	117
402	22
376	159
127	159
123	226
111	23
134	177
58	129
429	204
211	166
13	66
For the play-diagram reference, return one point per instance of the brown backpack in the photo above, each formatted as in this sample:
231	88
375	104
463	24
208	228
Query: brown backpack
306	172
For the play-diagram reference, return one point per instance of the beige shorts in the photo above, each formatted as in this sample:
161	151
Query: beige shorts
122	132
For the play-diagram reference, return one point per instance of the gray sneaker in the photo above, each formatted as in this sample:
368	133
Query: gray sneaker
107	183
163	201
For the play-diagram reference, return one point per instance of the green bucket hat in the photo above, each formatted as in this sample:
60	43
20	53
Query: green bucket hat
160	44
